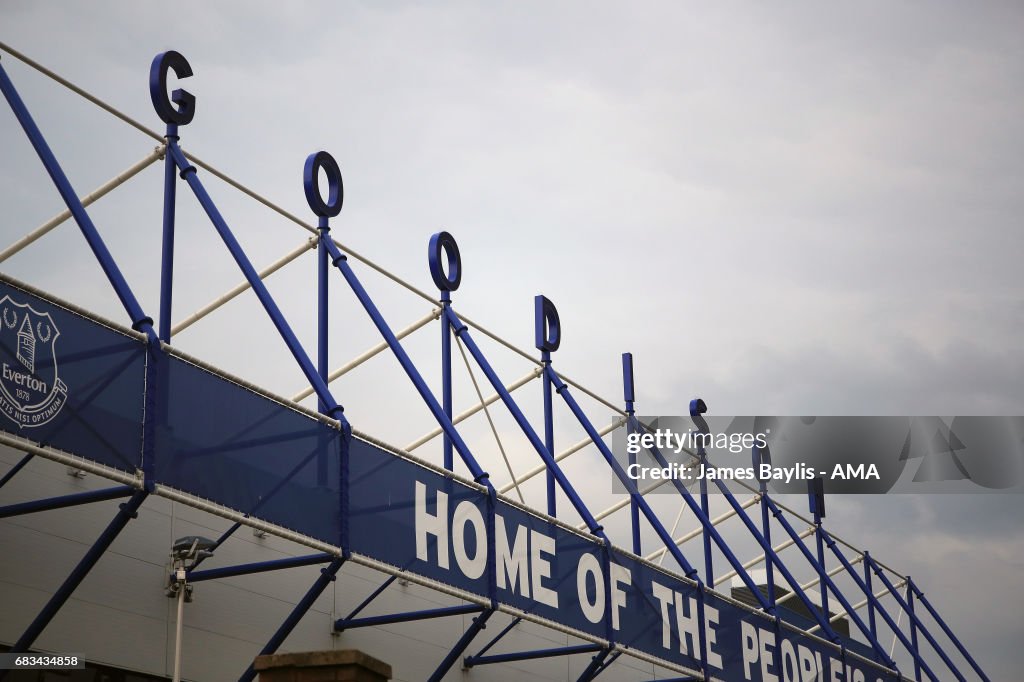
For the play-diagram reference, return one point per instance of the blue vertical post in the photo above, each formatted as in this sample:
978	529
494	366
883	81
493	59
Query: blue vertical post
446	377
324	210
870	590
167	253
188	171
549	434
322	265
462	332
629	397
882	655
697	410
173	116
322	336
764	456
340	261
816	496
826	584
547	337
913	627
442	246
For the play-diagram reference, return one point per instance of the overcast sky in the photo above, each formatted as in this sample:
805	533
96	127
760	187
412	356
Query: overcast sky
795	208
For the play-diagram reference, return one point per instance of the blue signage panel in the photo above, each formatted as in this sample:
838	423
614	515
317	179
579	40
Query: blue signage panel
223	442
423	522
75	383
69	381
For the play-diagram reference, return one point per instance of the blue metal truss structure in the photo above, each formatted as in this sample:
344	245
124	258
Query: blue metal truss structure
177	110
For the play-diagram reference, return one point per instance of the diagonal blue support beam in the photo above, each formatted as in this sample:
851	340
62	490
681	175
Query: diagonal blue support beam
462	332
340	261
863	586
62	501
607	663
128	511
945	628
15	469
327	576
167	244
140	321
343	624
917	621
189	173
478	624
913	627
594	667
259	567
777	561
645	508
373	595
507	629
472	661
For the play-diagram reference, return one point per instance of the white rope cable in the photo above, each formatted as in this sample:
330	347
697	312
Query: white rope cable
758	559
675	525
811	583
366	261
683	539
90	198
540	468
899	619
363	357
487	413
494	397
243	286
856	607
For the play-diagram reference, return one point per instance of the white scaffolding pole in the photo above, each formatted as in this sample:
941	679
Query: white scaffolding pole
811	583
243	286
92	197
363	357
560	456
856	607
682	539
462	416
758	559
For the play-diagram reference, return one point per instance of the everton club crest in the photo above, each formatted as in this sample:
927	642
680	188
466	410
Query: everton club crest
31	392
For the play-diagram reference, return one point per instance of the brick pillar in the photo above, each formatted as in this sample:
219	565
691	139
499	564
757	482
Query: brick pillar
346	665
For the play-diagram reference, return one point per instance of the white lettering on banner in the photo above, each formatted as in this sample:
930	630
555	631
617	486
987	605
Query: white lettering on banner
467	512
525	559
590	565
527	562
620	575
540	546
514	562
431	524
788	662
686	623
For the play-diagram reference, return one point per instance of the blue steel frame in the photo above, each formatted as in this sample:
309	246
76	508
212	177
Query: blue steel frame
178	109
698	408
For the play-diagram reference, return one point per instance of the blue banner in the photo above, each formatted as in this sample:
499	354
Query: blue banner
69	381
79	385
